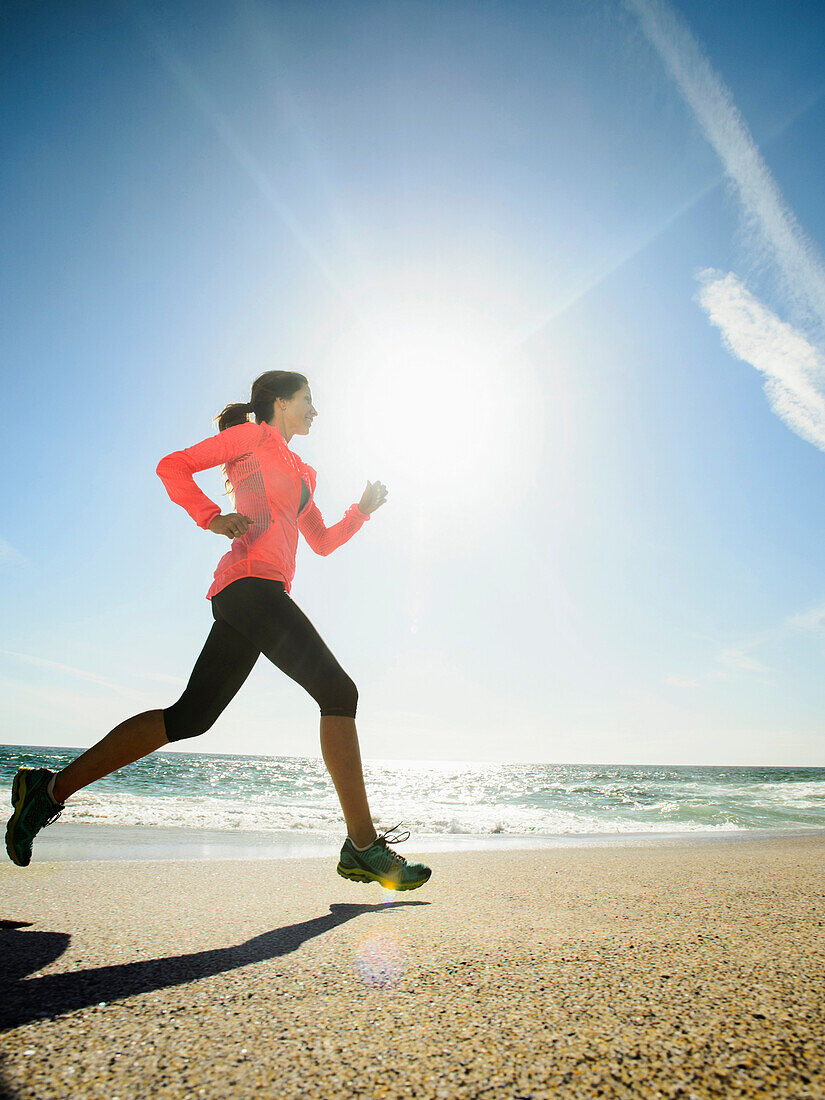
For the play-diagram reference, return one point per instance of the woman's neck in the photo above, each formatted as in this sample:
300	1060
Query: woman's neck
276	424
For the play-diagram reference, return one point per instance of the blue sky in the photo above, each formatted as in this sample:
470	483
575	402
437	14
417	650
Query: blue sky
555	274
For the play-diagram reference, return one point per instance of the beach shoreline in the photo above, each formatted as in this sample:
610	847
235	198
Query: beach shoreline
671	969
84	841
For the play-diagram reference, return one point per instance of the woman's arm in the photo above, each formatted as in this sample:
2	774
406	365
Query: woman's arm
175	470
324	540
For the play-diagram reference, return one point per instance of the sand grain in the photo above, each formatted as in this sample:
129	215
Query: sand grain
626	972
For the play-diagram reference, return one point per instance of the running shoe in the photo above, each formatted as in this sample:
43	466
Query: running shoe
33	810
379	863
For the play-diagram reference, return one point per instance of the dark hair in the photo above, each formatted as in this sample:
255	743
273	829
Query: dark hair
266	389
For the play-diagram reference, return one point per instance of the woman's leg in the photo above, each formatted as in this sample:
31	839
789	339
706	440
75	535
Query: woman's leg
131	740
342	756
263	611
224	663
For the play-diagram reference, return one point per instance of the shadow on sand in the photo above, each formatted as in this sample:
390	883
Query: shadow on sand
26	999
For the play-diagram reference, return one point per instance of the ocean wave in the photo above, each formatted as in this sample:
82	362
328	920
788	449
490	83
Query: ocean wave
272	794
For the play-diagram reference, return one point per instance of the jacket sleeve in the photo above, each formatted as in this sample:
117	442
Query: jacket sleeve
324	540
175	470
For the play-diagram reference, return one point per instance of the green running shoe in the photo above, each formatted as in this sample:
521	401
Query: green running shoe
33	810
379	863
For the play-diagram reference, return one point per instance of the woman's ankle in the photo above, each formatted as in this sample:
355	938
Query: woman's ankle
53	791
362	839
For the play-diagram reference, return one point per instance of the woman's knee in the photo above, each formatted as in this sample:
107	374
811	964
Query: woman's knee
182	722
338	697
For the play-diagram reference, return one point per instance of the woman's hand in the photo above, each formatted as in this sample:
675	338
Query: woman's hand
233	525
374	496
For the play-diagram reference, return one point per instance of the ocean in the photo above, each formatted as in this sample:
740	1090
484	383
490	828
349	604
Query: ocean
450	804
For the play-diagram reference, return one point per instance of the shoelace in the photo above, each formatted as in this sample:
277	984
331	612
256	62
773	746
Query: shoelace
53	814
50	820
389	837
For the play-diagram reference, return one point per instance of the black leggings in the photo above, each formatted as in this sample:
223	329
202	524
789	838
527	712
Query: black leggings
253	616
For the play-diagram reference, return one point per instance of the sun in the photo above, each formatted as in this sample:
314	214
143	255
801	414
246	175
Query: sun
447	415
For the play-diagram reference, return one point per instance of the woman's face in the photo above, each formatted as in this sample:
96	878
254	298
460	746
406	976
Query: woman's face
299	412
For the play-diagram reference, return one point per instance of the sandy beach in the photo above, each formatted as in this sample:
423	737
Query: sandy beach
672	970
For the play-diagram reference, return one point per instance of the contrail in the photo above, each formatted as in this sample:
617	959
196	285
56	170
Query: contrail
792	364
767	214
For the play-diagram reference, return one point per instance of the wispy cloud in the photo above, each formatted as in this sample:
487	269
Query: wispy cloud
731	661
681	682
9	556
766	212
79	673
792	363
809	620
730	664
121	689
740	659
156	677
793	367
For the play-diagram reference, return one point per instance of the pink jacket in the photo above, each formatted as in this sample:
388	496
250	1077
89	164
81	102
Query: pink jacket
266	478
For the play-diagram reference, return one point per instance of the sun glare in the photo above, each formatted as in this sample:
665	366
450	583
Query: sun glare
447	417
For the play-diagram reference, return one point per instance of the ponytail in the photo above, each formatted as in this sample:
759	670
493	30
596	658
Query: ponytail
232	415
266	389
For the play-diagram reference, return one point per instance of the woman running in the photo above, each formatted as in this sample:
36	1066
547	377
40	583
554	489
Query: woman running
273	490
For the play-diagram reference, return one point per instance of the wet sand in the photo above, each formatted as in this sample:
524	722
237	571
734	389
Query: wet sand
669	970
97	841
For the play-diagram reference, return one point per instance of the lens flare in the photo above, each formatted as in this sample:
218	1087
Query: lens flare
381	962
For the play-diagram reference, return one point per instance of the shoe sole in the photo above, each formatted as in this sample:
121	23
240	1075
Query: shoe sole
355	875
18	797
